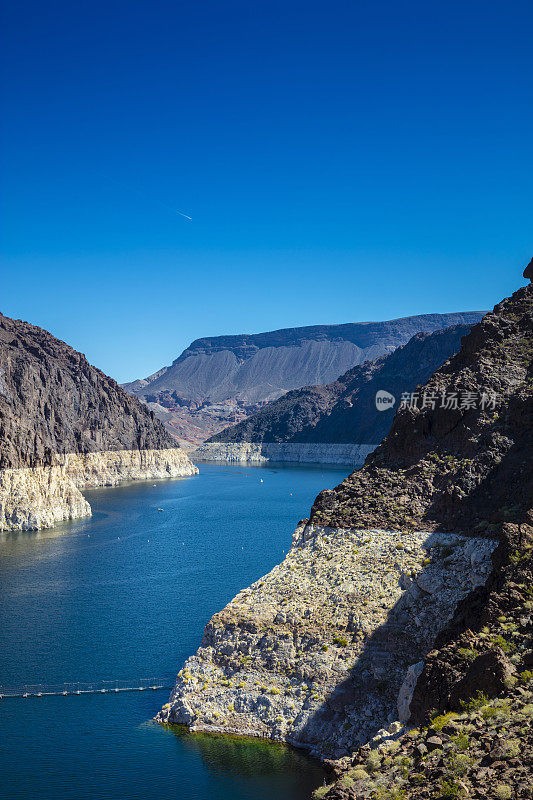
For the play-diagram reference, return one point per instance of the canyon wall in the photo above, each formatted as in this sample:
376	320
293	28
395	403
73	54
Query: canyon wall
64	426
315	653
339	422
219	381
297	452
406	594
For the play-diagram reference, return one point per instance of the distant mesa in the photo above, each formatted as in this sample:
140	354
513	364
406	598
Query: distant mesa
220	381
342	421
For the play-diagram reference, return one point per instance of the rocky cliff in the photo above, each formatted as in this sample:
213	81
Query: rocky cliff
65	425
406	597
341	418
221	380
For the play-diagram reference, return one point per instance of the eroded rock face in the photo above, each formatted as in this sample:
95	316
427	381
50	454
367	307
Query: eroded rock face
296	452
316	651
115	466
38	497
64	425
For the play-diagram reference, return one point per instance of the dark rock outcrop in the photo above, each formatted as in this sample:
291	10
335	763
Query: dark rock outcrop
462	459
470	469
53	401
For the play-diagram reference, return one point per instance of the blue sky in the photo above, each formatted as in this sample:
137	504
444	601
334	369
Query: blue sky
341	161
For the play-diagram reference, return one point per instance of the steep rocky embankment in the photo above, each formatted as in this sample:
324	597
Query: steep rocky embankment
339	422
407	592
218	381
64	425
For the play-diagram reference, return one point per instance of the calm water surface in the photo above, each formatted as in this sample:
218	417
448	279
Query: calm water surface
125	595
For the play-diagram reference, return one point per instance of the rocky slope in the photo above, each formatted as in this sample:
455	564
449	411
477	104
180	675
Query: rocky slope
65	425
221	380
343	412
406	593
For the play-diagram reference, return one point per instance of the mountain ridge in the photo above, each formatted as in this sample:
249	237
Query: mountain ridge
221	380
345	410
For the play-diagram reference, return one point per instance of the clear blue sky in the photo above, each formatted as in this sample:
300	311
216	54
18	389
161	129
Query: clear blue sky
341	161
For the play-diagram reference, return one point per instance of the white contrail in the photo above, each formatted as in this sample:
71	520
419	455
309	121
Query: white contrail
152	200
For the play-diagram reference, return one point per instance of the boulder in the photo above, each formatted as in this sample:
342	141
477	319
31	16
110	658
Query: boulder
489	673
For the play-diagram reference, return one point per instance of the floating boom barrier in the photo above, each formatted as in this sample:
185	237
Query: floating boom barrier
81	687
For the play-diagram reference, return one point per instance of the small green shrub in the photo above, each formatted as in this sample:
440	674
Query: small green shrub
526	677
460	763
503	644
461	742
373	761
340	641
468	653
503	792
489	712
324	648
449	788
389	794
319	793
359	774
511	748
478	701
441	720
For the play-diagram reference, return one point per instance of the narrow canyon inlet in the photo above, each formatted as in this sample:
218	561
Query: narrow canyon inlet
124	596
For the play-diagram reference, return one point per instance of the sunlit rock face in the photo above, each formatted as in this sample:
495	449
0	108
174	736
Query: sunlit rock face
296	452
316	651
64	425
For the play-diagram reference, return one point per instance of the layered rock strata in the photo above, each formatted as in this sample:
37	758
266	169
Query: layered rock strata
64	425
218	381
297	452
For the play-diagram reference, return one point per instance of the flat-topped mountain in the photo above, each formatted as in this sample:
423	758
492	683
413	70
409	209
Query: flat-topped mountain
221	380
344	411
63	425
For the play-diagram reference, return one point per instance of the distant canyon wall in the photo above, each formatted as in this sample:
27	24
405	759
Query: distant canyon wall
38	497
296	452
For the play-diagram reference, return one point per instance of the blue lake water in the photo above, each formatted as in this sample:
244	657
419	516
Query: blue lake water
125	595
